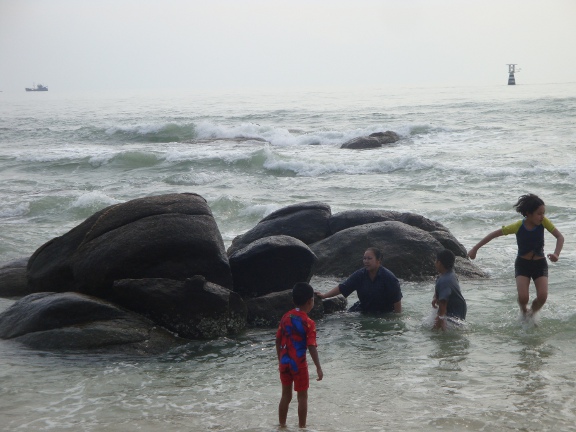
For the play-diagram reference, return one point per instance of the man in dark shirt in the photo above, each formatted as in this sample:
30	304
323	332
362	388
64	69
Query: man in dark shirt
377	288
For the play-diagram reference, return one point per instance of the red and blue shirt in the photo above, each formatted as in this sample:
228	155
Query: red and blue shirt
296	332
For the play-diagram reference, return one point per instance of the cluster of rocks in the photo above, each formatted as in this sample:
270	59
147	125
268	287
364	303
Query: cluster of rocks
153	272
375	140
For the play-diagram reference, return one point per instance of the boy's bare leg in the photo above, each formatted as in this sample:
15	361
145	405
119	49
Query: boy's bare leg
302	408
541	293
523	287
284	404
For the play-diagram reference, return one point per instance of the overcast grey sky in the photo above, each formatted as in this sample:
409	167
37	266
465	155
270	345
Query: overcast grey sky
196	44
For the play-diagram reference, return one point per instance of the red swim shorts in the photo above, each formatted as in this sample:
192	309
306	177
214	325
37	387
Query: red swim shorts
300	379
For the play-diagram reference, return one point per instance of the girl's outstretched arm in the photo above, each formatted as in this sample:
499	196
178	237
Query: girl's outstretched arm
472	252
559	243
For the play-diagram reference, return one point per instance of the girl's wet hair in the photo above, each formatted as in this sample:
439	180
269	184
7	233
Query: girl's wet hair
528	203
377	253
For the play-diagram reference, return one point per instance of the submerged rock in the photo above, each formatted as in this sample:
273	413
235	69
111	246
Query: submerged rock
72	321
374	140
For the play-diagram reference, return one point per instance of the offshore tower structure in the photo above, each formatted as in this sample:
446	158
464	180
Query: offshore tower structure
511	70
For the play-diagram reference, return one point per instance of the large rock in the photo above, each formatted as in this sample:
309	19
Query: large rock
267	310
271	264
307	222
72	321
409	252
169	236
362	143
374	140
13	280
194	308
388	137
352	218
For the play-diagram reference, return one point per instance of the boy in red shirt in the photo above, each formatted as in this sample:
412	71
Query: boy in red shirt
296	333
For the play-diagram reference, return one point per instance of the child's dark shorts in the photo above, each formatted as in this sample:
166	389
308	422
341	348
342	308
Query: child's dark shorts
533	269
301	378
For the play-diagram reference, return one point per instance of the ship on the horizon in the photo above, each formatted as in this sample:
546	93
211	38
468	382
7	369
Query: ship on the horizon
39	87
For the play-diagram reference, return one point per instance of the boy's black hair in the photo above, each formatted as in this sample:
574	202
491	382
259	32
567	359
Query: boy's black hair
446	258
301	293
528	203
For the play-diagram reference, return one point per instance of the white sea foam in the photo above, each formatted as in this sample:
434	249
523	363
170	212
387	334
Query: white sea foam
94	200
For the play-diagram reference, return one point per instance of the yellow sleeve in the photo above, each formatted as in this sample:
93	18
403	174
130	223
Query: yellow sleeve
548	225
512	228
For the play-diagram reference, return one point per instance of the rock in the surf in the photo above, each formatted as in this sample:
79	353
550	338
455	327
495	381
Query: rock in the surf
374	140
193	309
409	252
170	236
308	222
73	321
352	218
271	264
13	278
267	310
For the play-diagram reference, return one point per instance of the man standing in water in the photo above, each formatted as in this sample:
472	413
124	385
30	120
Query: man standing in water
377	288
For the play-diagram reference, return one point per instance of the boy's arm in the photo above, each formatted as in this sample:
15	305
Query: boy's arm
440	322
278	340
559	244
314	354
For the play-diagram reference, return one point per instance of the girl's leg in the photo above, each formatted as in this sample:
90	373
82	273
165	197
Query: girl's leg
541	293
302	408
284	403
523	285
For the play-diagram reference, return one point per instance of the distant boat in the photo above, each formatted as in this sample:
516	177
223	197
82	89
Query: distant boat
39	87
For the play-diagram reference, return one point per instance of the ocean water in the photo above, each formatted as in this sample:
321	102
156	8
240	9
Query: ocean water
465	156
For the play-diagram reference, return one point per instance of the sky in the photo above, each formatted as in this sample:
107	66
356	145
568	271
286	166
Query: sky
79	45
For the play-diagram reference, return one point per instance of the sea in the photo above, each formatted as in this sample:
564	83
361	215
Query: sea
465	155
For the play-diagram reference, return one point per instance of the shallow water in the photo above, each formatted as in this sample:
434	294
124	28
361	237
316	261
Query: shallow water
465	156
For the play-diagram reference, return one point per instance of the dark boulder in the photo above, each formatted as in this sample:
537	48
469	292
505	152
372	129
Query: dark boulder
194	308
362	143
334	304
307	222
267	310
13	278
72	321
409	252
169	236
271	264
388	137
352	218
373	140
